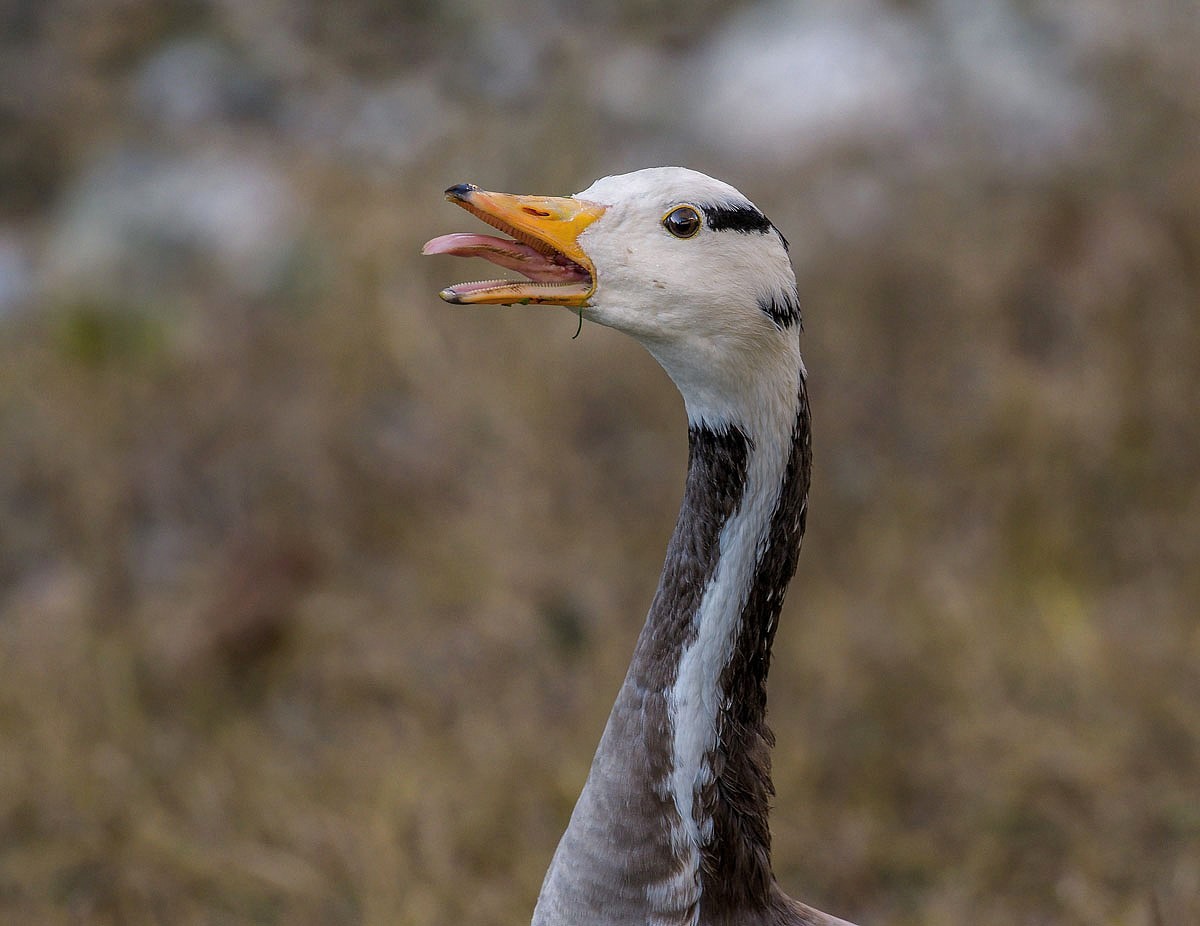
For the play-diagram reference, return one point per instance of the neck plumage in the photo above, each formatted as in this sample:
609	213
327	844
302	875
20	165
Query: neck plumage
671	827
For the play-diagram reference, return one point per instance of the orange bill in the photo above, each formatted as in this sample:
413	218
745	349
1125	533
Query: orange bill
543	246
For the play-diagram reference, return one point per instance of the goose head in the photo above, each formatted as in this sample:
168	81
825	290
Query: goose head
678	260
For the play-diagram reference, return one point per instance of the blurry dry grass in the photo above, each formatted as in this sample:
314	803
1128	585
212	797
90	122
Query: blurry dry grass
312	609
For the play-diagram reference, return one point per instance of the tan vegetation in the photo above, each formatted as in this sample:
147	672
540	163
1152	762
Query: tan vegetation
314	593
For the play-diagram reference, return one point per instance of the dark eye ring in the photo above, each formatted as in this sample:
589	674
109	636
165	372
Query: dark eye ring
682	222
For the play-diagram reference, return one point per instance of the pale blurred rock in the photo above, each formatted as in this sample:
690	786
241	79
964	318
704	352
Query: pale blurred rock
138	223
782	83
1014	87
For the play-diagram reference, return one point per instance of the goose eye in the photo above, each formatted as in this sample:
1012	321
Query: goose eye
683	222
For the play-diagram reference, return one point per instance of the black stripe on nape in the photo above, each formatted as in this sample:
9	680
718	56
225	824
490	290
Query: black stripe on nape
739	218
782	307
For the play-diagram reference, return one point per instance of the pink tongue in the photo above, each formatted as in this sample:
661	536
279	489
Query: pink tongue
510	254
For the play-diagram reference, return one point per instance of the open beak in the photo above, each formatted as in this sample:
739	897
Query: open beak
543	246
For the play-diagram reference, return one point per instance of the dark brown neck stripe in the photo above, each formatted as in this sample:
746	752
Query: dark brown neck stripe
716	481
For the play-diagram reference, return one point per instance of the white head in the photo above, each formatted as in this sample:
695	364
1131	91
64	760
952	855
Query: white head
684	263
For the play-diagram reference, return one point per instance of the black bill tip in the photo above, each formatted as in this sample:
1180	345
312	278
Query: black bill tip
461	191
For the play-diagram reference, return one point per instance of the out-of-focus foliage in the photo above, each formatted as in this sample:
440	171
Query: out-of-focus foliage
314	591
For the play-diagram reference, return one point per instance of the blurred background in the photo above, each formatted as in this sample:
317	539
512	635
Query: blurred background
315	591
